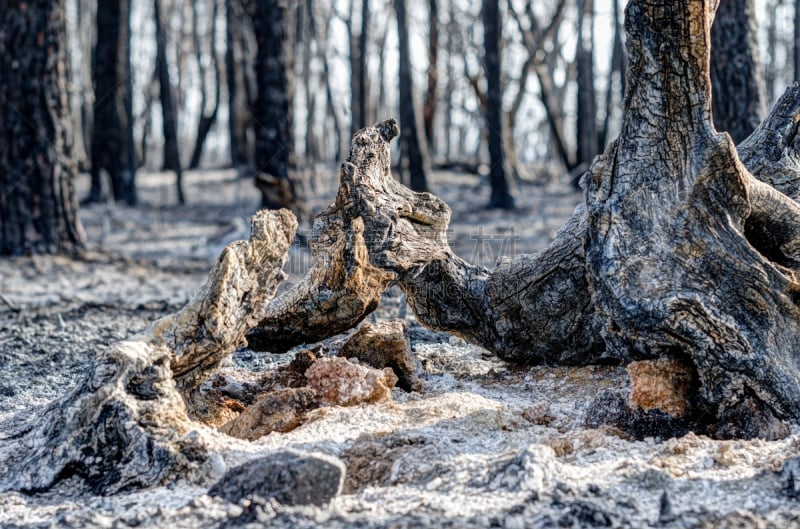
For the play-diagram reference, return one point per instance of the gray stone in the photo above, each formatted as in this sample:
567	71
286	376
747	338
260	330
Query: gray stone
292	478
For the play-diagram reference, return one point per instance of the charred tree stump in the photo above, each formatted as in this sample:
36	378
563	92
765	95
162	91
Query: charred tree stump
127	425
679	253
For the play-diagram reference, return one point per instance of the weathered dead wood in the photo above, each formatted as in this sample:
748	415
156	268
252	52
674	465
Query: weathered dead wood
669	266
127	424
679	252
342	287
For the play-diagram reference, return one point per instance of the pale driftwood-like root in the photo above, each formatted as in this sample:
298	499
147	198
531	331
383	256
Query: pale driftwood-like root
127	425
342	286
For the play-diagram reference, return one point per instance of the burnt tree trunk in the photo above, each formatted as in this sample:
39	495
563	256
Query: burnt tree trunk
38	210
272	114
207	118
113	148
358	68
172	157
238	103
130	423
586	122
431	95
413	149
499	173
736	79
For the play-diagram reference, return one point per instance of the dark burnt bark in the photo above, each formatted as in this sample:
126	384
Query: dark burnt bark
737	81
272	112
499	173
38	210
358	69
172	157
413	149
113	149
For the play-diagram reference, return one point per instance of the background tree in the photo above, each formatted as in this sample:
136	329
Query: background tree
413	149
737	83
238	84
498	171
172	157
358	65
113	149
431	94
587	133
272	114
38	210
207	116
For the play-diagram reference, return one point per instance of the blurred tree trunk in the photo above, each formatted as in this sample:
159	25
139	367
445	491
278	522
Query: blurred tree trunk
618	66
80	36
272	113
738	91
499	174
450	85
172	158
413	150
796	47
236	79
431	95
329	108
113	148
586	124
358	67
207	119
38	210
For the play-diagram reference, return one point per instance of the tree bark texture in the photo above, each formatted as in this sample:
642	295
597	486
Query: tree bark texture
736	77
38	208
113	147
272	114
413	149
172	157
499	173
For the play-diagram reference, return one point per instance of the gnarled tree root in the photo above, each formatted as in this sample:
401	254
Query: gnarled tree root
127	425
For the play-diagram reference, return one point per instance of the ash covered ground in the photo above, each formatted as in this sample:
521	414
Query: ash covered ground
487	444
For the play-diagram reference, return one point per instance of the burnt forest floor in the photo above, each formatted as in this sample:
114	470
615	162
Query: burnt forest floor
486	444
